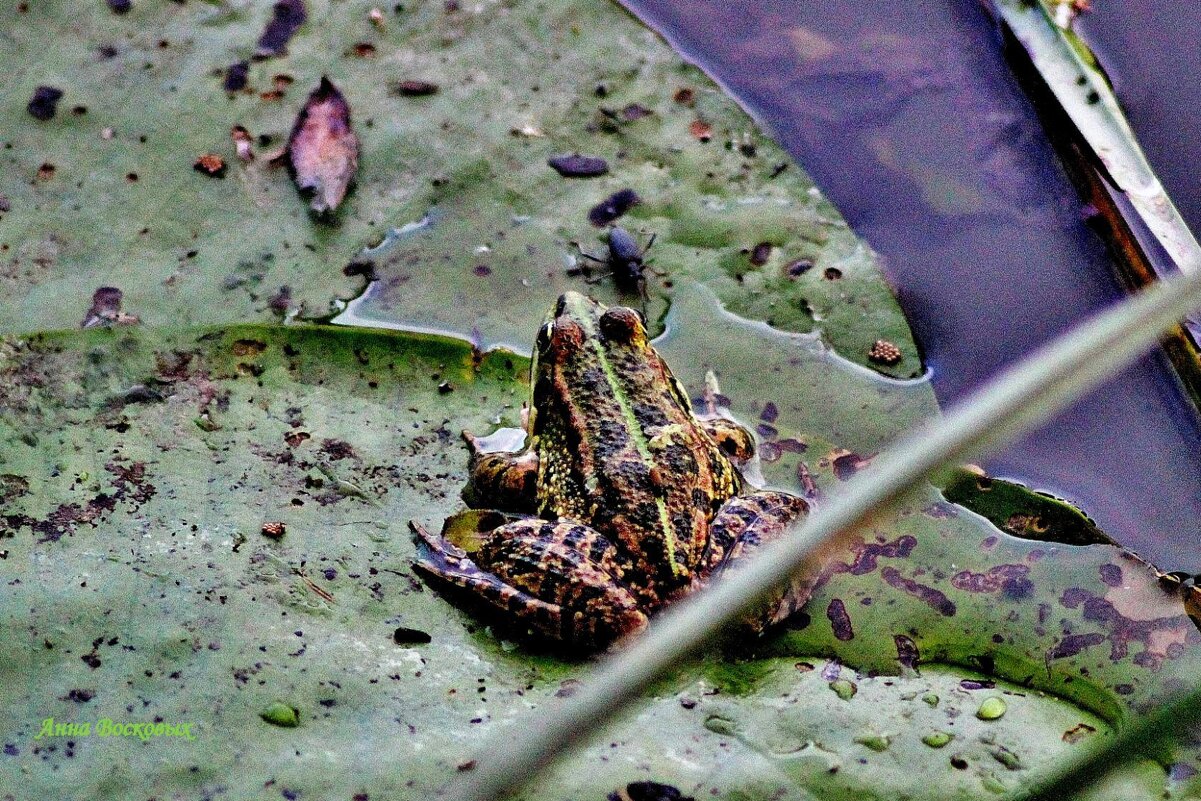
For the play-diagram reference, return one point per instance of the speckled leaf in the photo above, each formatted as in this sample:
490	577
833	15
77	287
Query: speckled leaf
458	108
206	526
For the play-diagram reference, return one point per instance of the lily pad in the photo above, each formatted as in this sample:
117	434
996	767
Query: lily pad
202	528
1020	512
142	468
108	195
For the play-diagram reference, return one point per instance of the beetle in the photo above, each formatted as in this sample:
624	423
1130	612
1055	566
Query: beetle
626	260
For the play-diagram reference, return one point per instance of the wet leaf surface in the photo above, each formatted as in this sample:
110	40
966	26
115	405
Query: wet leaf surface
108	197
142	467
207	524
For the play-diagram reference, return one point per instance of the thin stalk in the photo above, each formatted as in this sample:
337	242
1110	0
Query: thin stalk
1070	71
1010	404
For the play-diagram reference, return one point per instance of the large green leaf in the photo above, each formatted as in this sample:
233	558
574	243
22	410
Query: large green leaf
140	465
518	82
142	470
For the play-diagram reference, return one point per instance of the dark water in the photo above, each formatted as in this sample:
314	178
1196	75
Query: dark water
908	118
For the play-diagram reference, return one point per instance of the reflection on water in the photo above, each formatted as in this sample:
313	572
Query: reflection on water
908	119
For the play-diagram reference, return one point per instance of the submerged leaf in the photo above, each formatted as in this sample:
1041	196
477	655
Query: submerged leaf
323	150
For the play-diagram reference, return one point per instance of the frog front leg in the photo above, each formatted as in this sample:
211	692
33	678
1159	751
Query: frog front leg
504	480
741	527
560	580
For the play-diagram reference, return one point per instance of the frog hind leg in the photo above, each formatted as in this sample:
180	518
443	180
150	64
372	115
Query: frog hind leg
741	527
557	579
505	481
735	441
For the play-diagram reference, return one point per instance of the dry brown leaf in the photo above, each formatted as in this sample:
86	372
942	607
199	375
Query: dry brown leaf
323	150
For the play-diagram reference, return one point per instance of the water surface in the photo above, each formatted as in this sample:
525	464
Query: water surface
908	118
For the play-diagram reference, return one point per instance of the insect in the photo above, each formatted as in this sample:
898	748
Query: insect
626	261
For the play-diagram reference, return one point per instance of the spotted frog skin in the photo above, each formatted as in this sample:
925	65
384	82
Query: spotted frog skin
630	500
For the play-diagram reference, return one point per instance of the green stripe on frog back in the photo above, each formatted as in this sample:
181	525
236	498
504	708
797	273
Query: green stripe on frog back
634	426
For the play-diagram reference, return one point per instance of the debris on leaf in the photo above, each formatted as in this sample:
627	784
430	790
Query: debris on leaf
577	166
287	17
362	50
701	130
106	309
274	529
528	131
281	301
414	88
613	207
648	791
44	102
760	253
211	165
846	463
635	111
884	352
5	204
377	18
1078	733
323	150
243	143
120	6
406	636
237	76
798	268
685	97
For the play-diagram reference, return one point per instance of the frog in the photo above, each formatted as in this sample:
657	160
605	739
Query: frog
623	501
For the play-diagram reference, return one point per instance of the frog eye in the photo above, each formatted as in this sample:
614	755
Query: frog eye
543	340
620	324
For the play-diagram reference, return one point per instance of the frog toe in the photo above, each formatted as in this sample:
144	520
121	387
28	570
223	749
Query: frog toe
509	604
436	548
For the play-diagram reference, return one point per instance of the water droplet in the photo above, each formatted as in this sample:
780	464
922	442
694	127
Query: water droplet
991	708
